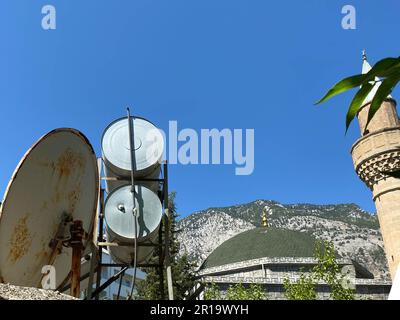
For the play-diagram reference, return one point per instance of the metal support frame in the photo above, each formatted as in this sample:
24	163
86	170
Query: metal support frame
73	238
99	252
162	244
167	226
161	251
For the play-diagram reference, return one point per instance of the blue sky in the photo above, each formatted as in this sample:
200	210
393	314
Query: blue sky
207	64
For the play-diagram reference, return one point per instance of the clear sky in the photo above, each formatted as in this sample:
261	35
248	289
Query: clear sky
206	64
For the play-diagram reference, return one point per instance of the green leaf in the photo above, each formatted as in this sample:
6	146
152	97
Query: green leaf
344	85
383	67
383	91
357	101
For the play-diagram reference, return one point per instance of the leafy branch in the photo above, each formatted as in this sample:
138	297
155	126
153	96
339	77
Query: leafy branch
328	270
387	69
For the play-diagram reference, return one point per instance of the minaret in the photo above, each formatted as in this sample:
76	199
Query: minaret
377	152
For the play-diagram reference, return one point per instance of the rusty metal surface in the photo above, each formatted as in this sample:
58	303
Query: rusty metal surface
57	175
77	246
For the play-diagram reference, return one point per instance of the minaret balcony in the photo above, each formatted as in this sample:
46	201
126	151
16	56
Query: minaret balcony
376	153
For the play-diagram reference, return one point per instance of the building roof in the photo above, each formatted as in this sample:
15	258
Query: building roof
259	243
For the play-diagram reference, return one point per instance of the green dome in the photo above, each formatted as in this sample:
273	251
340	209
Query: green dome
260	243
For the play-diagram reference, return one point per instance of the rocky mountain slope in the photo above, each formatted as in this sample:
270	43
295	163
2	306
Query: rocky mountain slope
354	232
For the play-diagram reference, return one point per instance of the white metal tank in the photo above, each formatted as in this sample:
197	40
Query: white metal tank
120	222
149	146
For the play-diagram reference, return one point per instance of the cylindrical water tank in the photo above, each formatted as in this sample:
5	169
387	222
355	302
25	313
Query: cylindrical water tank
149	146
120	222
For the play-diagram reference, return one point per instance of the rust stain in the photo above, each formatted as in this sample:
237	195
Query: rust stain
73	198
20	240
42	254
68	162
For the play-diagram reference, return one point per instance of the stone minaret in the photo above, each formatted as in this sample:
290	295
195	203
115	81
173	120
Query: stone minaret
377	152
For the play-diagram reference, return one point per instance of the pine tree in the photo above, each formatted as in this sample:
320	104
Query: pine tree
182	268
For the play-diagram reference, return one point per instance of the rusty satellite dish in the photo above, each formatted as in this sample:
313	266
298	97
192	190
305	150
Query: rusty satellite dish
56	178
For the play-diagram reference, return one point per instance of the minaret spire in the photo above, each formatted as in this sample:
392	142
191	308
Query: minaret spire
364	55
366	67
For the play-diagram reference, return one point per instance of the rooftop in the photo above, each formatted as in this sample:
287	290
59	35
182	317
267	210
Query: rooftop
259	243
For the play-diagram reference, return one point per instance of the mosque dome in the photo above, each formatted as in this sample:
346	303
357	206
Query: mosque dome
260	243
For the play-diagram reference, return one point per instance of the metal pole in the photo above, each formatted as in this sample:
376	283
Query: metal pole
167	230
93	260
120	284
77	247
65	286
161	261
134	209
167	261
94	243
61	288
132	152
108	282
100	239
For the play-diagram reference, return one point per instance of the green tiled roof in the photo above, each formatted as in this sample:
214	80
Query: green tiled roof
259	243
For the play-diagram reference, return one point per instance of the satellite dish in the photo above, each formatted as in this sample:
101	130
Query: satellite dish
57	177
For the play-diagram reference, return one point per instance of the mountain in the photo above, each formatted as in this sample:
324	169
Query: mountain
354	232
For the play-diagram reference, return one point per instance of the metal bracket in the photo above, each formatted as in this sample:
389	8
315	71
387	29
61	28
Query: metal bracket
63	232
